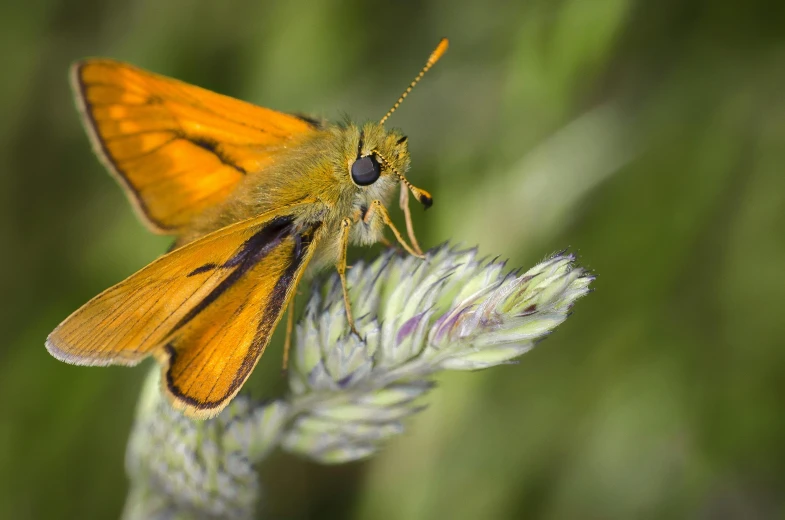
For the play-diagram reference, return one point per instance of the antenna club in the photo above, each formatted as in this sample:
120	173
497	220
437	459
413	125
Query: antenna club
422	196
438	52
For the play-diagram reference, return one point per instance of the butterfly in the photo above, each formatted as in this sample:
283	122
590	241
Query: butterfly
257	200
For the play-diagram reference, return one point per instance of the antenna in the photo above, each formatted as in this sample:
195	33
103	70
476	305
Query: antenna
432	59
422	196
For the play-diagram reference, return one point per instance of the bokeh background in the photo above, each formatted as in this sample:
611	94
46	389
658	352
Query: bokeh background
649	137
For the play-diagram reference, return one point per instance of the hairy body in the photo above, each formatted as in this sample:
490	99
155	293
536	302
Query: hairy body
319	165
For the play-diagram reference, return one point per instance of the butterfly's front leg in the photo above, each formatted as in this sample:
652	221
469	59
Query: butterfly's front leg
403	201
377	210
340	265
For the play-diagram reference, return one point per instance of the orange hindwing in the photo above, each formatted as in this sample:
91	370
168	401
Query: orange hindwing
206	311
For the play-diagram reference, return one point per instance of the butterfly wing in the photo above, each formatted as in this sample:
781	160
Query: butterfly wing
206	311
176	148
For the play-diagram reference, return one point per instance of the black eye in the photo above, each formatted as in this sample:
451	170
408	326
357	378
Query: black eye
365	170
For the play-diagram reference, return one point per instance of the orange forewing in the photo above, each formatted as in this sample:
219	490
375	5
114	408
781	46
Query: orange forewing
206	311
177	148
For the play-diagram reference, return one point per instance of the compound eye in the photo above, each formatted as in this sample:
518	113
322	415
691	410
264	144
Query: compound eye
366	170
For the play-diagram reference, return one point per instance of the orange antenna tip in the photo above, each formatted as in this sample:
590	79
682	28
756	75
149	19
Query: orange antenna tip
438	52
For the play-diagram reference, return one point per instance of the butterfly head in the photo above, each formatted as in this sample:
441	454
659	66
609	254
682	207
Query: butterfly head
383	156
380	162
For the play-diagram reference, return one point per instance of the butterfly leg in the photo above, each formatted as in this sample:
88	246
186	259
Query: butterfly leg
346	226
404	203
287	343
377	208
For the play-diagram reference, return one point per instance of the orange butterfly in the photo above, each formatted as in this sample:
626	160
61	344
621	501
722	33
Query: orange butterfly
255	198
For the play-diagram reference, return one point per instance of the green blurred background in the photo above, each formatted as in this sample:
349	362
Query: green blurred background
647	136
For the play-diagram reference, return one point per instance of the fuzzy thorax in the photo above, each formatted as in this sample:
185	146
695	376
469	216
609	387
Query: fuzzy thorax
312	178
